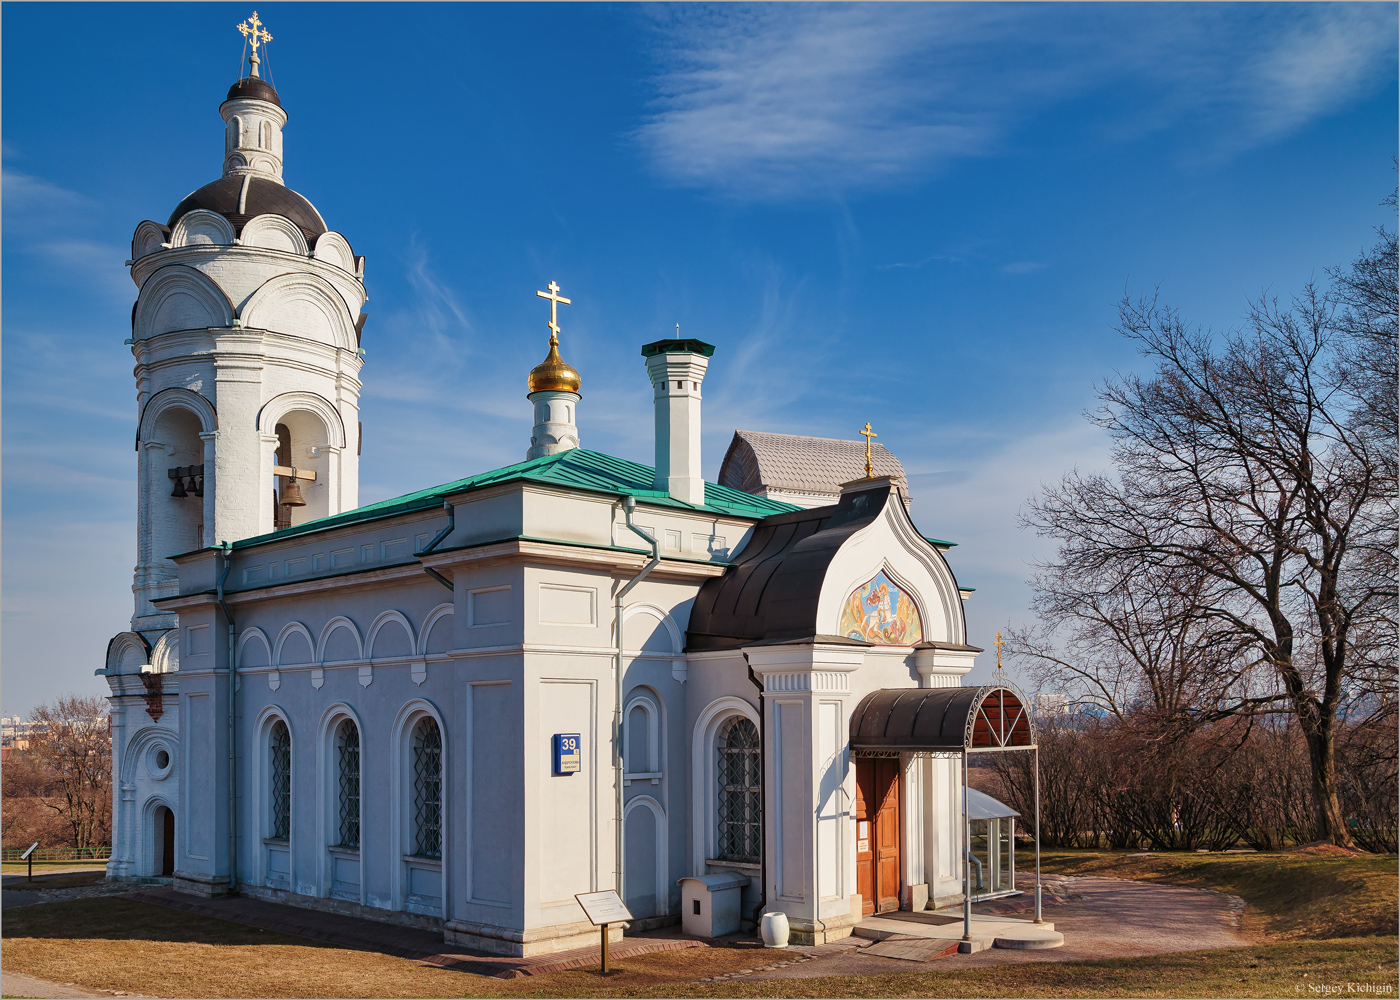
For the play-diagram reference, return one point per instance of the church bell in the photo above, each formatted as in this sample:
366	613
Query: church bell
179	490
291	495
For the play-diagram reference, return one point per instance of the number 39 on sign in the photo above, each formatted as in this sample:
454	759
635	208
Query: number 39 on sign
568	755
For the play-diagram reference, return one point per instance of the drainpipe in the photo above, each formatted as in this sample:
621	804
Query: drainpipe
451	524
629	505
763	803
227	549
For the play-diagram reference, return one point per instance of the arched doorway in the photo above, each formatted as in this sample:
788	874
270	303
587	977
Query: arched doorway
165	841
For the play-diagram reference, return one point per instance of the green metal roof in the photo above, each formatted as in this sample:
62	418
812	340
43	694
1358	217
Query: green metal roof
939	541
577	468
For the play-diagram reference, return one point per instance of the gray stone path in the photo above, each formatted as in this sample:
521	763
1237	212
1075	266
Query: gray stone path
1110	918
17	984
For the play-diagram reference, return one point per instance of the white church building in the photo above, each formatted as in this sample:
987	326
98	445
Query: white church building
369	709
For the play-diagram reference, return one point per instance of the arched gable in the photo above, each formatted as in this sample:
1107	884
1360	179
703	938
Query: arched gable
165	654
892	546
127	653
273	232
254	650
177	297
280	405
333	248
303	305
339	624
176	397
201	227
284	655
390	635
148	238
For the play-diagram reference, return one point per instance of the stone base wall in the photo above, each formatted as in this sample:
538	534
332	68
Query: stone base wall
516	943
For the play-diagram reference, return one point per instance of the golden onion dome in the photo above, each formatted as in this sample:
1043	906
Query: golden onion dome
553	374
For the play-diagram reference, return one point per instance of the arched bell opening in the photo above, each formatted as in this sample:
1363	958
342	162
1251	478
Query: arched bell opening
175	476
301	469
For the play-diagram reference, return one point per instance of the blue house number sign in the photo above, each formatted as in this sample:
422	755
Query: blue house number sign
567	755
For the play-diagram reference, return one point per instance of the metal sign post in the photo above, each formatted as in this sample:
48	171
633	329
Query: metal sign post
601	909
29	856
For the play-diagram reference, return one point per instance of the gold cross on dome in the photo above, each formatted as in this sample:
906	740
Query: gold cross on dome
869	462
253	30
554	299
998	644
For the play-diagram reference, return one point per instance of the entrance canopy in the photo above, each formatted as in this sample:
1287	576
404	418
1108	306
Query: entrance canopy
943	721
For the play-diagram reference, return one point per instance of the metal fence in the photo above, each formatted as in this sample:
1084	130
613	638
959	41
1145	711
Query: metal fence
58	854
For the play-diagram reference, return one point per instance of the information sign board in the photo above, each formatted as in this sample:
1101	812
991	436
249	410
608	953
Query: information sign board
604	907
568	753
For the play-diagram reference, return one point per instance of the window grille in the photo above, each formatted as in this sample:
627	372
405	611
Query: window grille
347	745
427	789
280	754
740	793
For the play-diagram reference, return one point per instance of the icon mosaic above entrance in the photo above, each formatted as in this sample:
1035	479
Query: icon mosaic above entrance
882	613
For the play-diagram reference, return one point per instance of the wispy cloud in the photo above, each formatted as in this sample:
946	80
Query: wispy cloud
1022	267
789	102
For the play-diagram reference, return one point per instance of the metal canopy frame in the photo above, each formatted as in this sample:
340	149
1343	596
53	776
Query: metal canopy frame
996	719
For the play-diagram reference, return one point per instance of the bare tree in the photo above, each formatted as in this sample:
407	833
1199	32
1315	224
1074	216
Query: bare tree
1251	461
72	744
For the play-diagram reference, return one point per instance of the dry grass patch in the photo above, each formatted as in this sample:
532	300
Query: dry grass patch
1291	895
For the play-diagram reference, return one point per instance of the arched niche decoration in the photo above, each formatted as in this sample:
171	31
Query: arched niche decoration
380	640
282	652
148	238
273	232
303	305
127	653
177	297
254	649
883	610
201	227
335	249
664	637
176	397
439	618
339	624
280	405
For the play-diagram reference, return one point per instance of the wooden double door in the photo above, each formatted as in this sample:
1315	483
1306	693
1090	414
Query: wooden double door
877	833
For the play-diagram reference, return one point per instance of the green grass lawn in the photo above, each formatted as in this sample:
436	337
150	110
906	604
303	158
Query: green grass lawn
1313	893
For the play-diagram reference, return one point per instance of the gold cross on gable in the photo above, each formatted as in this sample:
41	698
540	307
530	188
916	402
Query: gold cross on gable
253	30
554	299
869	463
998	644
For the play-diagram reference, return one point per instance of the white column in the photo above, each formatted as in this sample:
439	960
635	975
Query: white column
809	786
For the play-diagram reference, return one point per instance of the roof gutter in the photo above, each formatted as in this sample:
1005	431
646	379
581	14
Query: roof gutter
629	506
227	549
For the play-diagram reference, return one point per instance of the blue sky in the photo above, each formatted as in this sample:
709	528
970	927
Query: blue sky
921	216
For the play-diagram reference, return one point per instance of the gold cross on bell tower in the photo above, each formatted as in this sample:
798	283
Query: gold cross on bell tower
869	458
253	30
998	644
554	299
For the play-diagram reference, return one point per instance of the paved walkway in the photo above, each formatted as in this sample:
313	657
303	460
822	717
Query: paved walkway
391	939
17	984
1102	918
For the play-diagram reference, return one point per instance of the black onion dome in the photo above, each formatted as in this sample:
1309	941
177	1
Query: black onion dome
255	89
265	197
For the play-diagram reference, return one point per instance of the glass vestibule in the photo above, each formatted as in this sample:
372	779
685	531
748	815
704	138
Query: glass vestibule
993	848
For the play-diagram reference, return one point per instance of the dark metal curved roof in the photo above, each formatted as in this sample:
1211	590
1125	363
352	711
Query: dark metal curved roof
264	197
771	591
253	88
912	720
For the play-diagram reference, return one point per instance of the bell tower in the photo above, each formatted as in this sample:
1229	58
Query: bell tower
246	338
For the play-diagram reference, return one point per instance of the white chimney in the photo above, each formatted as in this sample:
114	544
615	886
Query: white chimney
677	370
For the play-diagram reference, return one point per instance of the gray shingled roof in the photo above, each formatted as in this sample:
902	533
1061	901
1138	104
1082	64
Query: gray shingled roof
758	459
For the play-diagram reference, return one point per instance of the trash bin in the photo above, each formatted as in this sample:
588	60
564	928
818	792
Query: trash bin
710	904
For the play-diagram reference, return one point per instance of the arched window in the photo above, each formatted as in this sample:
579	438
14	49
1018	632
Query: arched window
280	780
427	789
639	738
740	801
347	753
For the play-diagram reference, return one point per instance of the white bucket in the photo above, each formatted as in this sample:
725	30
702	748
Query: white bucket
774	929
